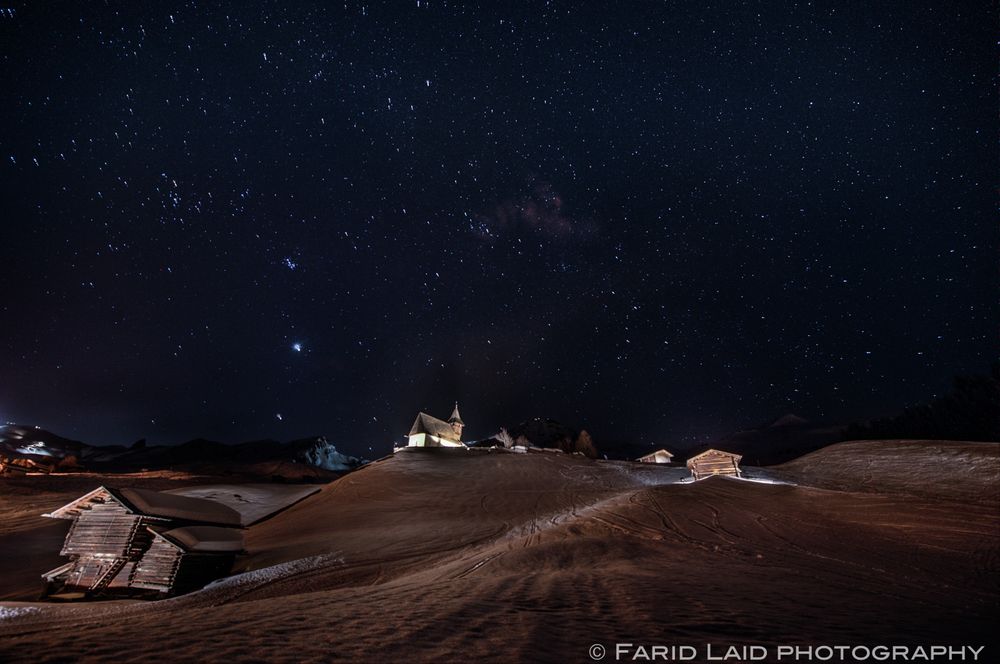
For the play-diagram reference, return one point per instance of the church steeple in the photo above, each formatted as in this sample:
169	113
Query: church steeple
456	421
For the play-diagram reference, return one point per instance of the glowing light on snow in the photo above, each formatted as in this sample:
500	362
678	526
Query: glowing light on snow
37	448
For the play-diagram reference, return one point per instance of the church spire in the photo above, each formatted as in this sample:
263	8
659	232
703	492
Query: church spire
455	417
456	422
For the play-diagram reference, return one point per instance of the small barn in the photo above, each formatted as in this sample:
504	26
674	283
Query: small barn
22	466
140	542
429	431
659	456
714	462
185	559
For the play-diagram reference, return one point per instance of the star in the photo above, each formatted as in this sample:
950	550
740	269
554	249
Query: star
676	244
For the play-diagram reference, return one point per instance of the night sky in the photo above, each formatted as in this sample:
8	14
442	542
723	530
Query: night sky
657	221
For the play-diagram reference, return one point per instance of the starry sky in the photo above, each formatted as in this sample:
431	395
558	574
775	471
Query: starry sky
657	221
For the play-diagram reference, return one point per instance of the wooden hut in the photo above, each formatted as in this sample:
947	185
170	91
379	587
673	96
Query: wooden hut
185	559
23	466
714	462
140	542
659	456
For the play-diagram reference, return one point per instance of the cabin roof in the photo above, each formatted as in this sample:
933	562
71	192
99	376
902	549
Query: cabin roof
431	425
170	506
205	539
655	452
153	503
72	509
715	452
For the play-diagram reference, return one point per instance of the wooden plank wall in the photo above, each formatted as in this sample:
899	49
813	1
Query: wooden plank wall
123	578
87	571
714	465
104	529
157	567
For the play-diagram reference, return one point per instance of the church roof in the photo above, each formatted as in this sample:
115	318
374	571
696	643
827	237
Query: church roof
455	417
431	425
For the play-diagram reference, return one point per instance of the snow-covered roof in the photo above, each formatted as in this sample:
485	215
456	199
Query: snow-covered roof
658	453
153	503
169	506
429	424
254	502
206	539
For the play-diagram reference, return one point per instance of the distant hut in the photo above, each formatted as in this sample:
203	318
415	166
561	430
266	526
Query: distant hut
140	542
22	466
659	456
429	431
714	462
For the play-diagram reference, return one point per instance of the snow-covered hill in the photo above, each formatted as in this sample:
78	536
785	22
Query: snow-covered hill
261	457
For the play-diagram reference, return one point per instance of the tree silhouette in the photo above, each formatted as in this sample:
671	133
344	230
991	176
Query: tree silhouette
585	445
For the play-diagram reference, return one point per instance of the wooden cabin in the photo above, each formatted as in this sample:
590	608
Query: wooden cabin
659	456
714	462
23	466
429	431
141	542
185	559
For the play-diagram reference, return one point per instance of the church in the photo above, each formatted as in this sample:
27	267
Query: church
429	431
